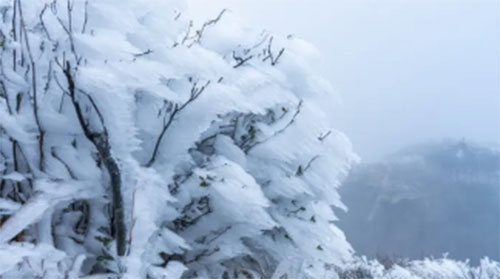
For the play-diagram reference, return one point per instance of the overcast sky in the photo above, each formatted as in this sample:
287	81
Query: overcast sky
407	70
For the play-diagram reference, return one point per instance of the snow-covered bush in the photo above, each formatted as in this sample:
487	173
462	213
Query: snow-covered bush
136	142
442	268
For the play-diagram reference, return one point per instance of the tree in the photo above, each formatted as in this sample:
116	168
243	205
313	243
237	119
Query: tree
136	142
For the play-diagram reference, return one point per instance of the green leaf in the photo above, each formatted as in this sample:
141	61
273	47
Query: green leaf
252	132
104	240
104	258
203	182
299	171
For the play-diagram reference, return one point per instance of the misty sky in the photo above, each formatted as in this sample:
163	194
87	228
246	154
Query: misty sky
407	70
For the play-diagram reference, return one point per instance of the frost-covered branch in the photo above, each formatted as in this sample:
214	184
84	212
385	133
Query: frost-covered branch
101	141
41	132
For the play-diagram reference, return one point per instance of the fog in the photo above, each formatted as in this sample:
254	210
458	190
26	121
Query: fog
407	71
426	200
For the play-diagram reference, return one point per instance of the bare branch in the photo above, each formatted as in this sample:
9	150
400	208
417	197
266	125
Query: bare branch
196	37
42	22
292	120
4	94
188	32
49	79
14	35
308	165
64	93
99	114
195	93
216	235
324	136
270	55
70	172
148	51
178	16
85	16
240	60
69	7
204	253
69	30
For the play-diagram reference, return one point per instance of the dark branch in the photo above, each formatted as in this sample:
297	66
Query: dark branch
280	131
42	23
41	132
70	172
196	37
270	55
195	93
85	16
240	60
148	51
308	165
101	142
324	136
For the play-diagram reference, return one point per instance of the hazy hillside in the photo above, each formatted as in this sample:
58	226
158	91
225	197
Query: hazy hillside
424	201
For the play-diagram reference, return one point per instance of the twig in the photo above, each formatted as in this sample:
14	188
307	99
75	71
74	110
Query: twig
217	234
85	16
308	165
240	61
196	38
201	205
41	131
94	105
14	34
324	136
148	51
42	23
292	120
69	31
70	172
270	55
204	253
195	93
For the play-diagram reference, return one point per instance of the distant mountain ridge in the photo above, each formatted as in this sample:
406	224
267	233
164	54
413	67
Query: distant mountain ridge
426	200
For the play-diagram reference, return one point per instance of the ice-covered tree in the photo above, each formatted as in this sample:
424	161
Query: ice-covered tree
136	142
